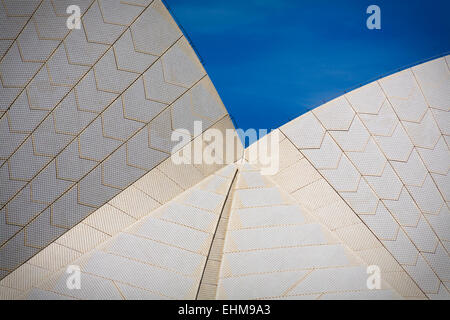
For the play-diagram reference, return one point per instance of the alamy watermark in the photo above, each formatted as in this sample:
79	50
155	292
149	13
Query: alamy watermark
374	280
217	147
74	20
374	20
73	281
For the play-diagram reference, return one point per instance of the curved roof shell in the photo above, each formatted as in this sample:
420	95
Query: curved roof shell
87	179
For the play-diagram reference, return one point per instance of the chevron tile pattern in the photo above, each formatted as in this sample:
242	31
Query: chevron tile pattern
33	47
164	264
316	197
376	136
69	149
87	175
13	18
274	249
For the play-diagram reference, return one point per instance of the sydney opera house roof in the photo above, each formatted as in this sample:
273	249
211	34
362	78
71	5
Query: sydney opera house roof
87	178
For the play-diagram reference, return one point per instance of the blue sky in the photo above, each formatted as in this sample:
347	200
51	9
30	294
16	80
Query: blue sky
272	60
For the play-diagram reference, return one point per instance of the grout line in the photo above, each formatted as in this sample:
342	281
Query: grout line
11	271
370	186
351	208
20	32
227	202
374	79
44	64
72	89
99	163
